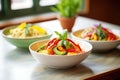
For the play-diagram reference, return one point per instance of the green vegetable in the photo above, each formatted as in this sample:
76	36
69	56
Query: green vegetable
42	48
27	29
62	37
67	44
60	43
100	33
58	52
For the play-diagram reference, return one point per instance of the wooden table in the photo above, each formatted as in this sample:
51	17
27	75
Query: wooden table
18	64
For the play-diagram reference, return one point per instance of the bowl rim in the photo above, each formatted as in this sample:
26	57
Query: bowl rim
84	52
72	35
49	33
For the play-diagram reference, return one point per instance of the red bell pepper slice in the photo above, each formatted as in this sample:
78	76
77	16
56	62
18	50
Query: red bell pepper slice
50	42
51	46
111	36
76	45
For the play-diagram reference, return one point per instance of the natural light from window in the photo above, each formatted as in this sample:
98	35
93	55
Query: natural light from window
21	4
47	2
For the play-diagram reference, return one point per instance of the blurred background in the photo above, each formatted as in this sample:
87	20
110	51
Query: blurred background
16	11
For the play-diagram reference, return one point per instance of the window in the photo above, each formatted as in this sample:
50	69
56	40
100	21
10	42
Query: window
21	4
17	8
48	2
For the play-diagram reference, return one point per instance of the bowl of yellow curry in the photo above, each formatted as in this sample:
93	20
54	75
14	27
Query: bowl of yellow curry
24	34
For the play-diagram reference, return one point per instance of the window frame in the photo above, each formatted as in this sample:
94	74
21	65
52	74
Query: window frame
7	13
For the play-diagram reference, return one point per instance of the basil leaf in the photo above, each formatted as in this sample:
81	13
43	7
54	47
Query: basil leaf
62	36
61	43
101	34
59	35
66	44
27	29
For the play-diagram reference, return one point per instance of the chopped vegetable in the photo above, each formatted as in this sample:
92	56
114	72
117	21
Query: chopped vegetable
58	52
61	45
27	27
22	25
25	30
98	33
39	29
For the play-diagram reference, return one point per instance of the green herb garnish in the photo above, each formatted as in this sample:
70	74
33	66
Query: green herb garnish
63	38
101	34
27	29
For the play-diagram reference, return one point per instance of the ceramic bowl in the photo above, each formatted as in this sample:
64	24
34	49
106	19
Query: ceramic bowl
97	45
59	61
22	42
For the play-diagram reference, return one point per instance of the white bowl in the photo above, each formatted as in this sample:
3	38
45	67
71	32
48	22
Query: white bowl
97	45
59	61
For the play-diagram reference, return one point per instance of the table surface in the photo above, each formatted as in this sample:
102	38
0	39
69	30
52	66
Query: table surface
18	64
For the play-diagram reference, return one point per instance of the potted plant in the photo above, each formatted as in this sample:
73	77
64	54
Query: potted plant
67	10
